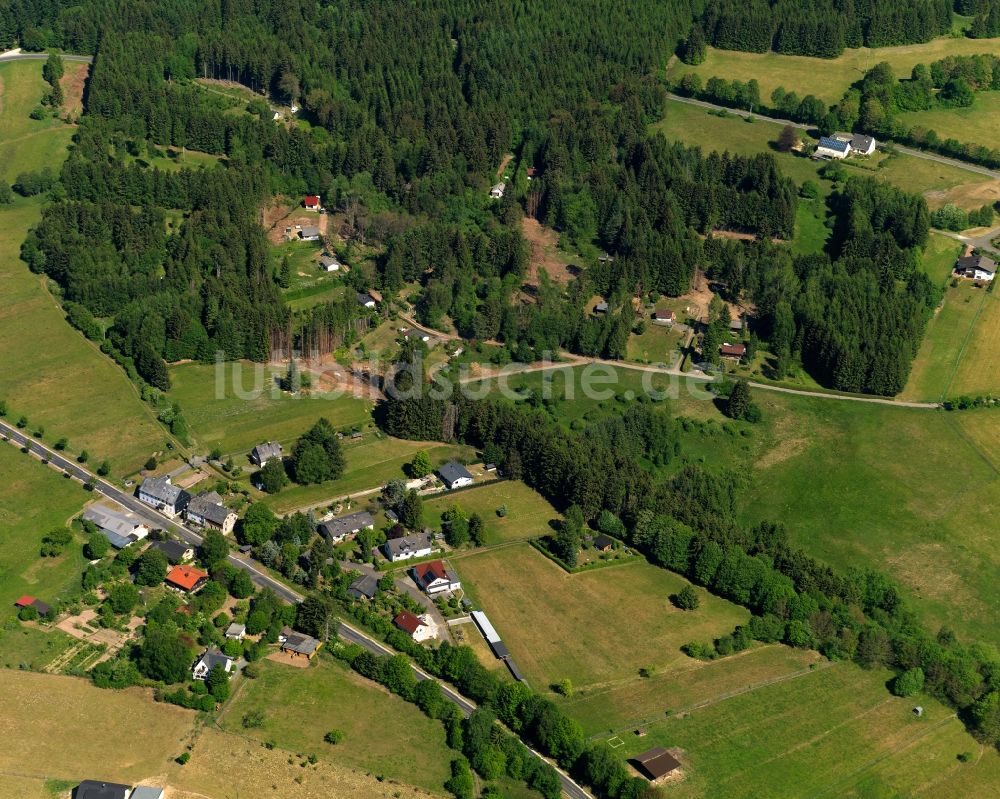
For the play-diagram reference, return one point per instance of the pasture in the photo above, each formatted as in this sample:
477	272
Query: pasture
595	628
831	732
383	734
528	513
977	370
976	124
826	78
656	344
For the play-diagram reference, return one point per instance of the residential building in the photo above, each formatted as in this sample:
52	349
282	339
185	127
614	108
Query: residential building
862	145
604	543
832	148
94	789
236	632
343	527
121	528
391	515
207	510
301	645
417	545
329	264
455	475
419	628
209	659
159	493
312	202
977	267
733	351
664	317
532	172
497	191
365	587
366	300
262	453
309	233
434	577
736	325
28	600
655	764
186	578
601	307
175	551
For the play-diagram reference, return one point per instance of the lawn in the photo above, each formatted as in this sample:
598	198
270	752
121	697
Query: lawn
51	373
826	78
976	124
656	344
233	406
35	500
978	367
811	232
383	734
832	732
528	513
594	628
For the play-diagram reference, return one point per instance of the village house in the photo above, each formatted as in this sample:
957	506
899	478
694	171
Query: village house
207	510
329	264
262	453
736	325
175	551
733	351
236	632
977	267
419	628
365	587
601	307
208	660
831	148
301	646
664	317
862	145
119	527
309	233
531	172
434	577
29	601
157	492
604	543
366	300
186	578
655	764
340	529
312	202
95	789
496	192
417	545
455	475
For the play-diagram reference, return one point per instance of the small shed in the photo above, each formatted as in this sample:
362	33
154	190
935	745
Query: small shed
655	764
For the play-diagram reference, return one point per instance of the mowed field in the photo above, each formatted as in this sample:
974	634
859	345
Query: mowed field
528	513
831	732
50	372
383	734
595	628
34	500
976	124
826	78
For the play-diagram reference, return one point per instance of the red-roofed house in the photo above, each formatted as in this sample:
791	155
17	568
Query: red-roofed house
186	578
311	201
532	172
419	628
735	351
434	577
664	317
28	601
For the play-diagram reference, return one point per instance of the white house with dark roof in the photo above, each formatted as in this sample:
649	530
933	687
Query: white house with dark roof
207	510
497	191
366	300
862	145
329	264
209	659
455	475
157	492
417	545
264	452
175	551
977	267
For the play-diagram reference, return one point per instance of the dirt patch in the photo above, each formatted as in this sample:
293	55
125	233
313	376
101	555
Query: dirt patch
967	195
286	659
503	164
545	256
700	295
73	81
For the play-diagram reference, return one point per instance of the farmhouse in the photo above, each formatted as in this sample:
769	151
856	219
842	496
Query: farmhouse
655	764
832	148
419	628
733	351
209	659
365	587
977	267
175	551
337	530
455	475
497	191
301	646
309	233
236	632
262	453
157	492
119	527
664	317
417	545
207	510
186	578
434	578
29	601
329	264
92	789
311	202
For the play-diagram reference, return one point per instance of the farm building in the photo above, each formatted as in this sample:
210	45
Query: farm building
329	264
312	202
309	233
94	789
434	577
832	148
208	660
236	632
175	551
664	317
207	510
262	453
417	545
655	764
301	646
29	601
186	578
455	475
119	527
977	267
366	300
604	543
490	634
734	351
157	492
419	628
337	530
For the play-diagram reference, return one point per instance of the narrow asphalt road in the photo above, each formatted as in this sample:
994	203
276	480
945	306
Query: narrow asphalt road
17	55
257	572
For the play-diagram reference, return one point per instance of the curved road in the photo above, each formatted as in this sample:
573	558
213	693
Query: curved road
257	572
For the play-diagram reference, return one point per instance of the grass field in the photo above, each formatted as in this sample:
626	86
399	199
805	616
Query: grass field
383	734
832	732
594	628
826	78
976	124
528	513
51	373
978	364
35	499
219	417
657	344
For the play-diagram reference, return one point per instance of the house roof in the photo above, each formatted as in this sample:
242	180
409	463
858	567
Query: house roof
311	199
118	541
736	324
834	144
160	489
733	349
408	543
28	600
604	541
364	298
427	573
206	506
407	622
146	792
861	142
174	550
213	657
266	451
310	232
303	644
113	521
980	262
24	601
94	789
453	471
328	260
664	315
366	585
532	171
186	577
391	515
345	525
236	629
655	763
601	307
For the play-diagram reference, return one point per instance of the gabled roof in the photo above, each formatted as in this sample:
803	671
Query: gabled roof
604	541
235	629
345	525
206	506
834	144
601	307
29	601
310	232
266	451
408	543
186	577
655	763
366	585
664	315
980	262
427	573
311	199
113	521
733	349
453	471
213	657
118	541
328	260
364	298
301	643
146	792
407	622
160	489
861	142
174	550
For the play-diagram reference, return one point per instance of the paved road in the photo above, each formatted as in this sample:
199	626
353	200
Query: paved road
984	241
17	55
257	572
974	168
